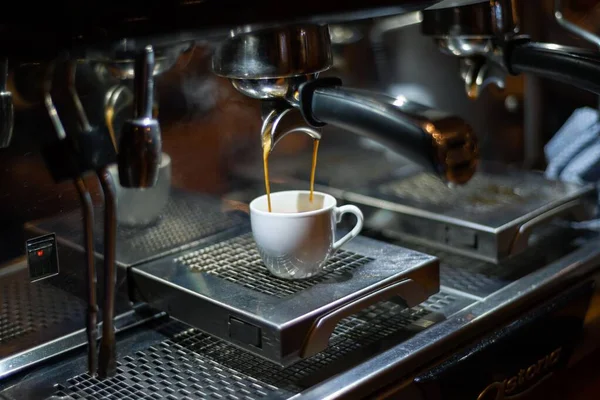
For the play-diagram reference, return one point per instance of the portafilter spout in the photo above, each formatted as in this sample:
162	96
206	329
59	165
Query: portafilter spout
284	63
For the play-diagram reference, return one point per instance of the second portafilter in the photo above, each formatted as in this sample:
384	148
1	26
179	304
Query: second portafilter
140	143
282	66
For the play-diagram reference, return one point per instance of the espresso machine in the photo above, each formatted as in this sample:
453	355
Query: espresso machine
472	279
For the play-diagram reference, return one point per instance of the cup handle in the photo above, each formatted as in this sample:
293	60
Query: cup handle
348	209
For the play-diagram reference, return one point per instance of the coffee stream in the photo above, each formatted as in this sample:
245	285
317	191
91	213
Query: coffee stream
314	168
266	145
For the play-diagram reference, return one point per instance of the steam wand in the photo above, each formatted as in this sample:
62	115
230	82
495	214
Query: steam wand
108	353
107	358
87	214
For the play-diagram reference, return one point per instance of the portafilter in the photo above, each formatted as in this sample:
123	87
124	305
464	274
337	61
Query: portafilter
283	64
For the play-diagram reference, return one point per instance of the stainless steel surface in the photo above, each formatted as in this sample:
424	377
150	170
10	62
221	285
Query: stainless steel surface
120	61
227	280
107	355
483	219
141	207
272	88
84	123
379	346
117	98
7	112
572	27
481	279
141	143
271	127
28	309
435	140
175	361
371	348
477	20
318	338
88	231
478	74
490	218
49	102
472	31
288	51
188	219
401	360
87	208
382	345
42	320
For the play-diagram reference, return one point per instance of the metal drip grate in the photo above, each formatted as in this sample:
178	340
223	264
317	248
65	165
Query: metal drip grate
193	365
26	308
438	302
352	333
237	260
187	218
482	193
481	278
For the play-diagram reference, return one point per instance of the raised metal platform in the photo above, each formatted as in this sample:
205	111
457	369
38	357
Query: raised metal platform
224	289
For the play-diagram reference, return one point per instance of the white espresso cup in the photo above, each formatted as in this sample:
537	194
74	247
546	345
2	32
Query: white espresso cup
297	238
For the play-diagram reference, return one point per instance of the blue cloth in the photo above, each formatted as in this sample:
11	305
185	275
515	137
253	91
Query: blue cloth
581	130
585	166
573	154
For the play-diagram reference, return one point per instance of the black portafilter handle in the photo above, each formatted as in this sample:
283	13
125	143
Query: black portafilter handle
571	65
140	145
440	142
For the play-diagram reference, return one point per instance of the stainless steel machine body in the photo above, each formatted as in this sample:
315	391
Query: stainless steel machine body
444	279
384	349
211	265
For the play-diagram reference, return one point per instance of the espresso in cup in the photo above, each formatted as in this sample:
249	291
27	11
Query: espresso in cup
296	236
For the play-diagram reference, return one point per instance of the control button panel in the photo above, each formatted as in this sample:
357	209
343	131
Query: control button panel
42	257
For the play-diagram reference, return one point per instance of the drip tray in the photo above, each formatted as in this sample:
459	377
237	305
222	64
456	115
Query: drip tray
492	218
189	364
224	289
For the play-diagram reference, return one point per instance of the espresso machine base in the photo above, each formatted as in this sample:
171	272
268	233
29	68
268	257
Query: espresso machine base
385	346
199	264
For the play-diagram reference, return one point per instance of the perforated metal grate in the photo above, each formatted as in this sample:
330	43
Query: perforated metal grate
26	308
481	278
463	273
193	365
237	260
187	218
439	301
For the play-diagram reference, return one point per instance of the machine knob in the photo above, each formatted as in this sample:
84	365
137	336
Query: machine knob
6	107
140	145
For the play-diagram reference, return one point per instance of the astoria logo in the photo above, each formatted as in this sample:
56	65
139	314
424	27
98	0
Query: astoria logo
525	379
